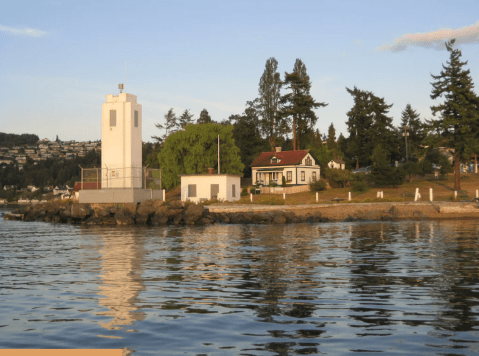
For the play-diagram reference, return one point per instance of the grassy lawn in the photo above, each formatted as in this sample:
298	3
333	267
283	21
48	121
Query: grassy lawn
443	190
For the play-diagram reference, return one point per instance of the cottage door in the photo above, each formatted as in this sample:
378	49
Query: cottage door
215	189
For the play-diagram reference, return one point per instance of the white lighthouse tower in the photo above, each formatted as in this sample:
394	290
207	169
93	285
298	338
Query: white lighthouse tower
121	142
121	178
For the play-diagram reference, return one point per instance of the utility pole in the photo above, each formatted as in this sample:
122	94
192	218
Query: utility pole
406	134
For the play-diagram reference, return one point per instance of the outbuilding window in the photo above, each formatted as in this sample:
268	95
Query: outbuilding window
303	176
233	191
192	190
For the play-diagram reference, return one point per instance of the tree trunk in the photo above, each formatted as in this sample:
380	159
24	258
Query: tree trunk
457	173
294	132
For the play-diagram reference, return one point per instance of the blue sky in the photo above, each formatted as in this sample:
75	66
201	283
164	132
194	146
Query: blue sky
59	59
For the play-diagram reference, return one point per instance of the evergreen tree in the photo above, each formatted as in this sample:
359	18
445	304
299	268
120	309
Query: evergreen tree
204	118
185	119
382	173
458	112
247	137
267	104
298	104
411	133
171	126
368	126
331	137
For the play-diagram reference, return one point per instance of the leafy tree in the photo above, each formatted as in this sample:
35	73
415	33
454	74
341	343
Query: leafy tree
194	149
338	178
298	104
204	118
267	104
368	126
185	119
323	154
458	112
411	126
171	125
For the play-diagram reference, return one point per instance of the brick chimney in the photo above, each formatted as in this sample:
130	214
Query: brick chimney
278	149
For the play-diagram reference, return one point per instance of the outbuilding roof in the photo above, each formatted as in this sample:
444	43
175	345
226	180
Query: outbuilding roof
285	158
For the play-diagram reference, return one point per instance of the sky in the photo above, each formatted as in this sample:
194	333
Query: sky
59	59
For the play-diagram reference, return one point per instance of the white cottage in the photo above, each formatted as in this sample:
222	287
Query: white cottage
201	187
297	167
337	163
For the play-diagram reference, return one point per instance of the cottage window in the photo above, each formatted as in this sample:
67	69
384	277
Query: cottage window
314	176
289	176
257	177
136	118
309	161
192	190
274	160
303	176
112	118
233	191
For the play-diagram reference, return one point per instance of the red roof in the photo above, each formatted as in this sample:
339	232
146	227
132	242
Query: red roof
285	158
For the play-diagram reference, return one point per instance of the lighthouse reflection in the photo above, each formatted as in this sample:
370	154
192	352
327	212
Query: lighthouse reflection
121	273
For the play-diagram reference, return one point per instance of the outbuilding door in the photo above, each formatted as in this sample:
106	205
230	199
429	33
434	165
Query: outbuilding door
215	189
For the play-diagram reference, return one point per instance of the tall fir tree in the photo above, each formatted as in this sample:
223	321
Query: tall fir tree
185	119
171	125
368	126
297	105
458	113
411	133
331	142
204	118
268	101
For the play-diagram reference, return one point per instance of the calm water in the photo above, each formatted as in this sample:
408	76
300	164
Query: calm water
405	288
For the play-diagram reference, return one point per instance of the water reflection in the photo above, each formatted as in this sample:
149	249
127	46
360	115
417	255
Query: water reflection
121	275
253	290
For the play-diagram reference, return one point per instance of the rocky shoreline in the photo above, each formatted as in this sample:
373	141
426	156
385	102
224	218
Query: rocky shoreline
158	213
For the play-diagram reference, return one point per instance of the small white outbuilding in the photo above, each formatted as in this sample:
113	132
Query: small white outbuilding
202	187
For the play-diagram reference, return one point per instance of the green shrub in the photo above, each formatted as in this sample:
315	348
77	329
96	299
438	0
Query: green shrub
244	191
317	185
359	186
338	178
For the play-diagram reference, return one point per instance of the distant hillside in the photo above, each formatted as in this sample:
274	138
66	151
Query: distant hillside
17	140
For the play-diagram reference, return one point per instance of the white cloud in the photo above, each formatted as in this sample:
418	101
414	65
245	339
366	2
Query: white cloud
435	39
23	31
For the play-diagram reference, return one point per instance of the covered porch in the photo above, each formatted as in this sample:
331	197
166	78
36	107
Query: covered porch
264	176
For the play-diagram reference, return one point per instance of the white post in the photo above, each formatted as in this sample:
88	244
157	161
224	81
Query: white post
416	196
251	197
455	194
382	194
377	194
164	195
316	197
430	194
284	196
349	196
477	194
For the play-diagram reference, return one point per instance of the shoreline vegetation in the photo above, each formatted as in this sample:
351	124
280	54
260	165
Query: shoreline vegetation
157	213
